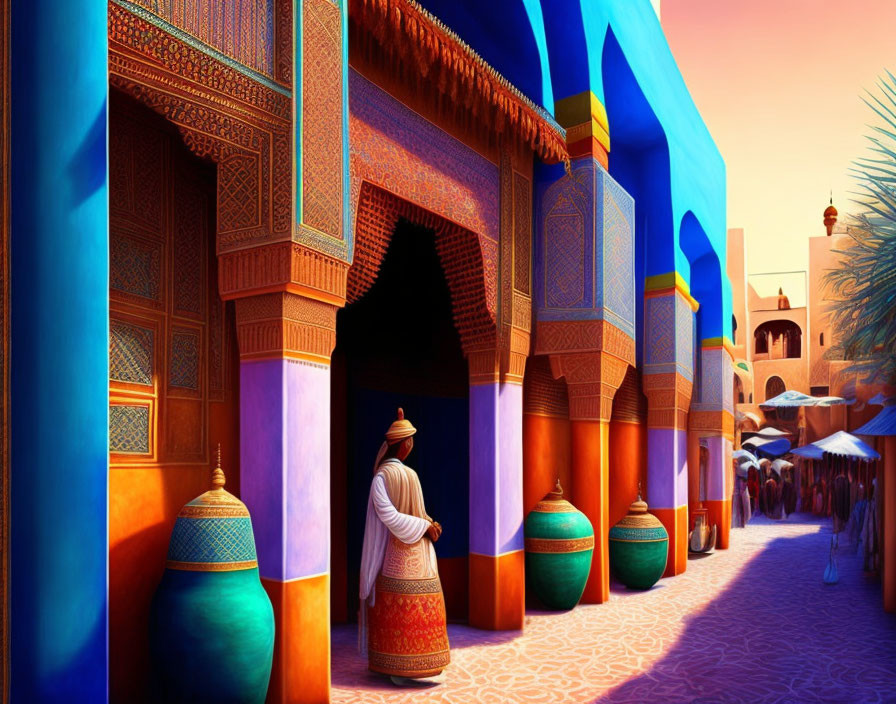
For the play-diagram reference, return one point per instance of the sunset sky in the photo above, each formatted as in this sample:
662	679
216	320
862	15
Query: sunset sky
778	83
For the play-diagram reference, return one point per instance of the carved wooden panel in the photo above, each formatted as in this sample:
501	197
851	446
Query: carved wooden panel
169	338
222	114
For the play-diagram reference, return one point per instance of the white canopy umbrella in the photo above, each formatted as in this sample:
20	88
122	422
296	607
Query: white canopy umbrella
770	432
780	464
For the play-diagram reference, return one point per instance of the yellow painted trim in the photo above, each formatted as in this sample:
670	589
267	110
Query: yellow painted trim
582	108
715	342
671	280
588	129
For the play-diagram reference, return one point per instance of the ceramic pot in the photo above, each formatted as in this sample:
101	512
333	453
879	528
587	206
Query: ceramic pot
702	538
639	546
211	623
559	547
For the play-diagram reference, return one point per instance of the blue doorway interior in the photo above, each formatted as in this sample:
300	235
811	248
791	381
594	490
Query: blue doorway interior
398	347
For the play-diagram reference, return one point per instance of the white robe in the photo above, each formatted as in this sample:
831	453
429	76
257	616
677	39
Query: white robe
382	519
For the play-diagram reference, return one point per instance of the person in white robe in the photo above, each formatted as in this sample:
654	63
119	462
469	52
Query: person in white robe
399	583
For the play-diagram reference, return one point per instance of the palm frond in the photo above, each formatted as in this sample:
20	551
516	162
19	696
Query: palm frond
863	289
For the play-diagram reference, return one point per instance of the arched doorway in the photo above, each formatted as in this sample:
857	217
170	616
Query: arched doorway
779	339
774	387
415	306
173	389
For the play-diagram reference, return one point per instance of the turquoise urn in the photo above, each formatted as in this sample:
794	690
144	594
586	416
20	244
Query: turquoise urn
212	623
639	546
559	547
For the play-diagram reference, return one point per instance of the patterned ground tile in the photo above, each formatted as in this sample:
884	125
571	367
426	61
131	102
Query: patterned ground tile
754	623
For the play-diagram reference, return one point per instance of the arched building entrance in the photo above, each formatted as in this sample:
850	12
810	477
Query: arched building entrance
774	387
172	366
415	308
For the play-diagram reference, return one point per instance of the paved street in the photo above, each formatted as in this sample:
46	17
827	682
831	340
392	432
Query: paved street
751	624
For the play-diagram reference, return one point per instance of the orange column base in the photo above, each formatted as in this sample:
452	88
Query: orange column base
301	672
546	448
590	481
675	520
497	591
719	512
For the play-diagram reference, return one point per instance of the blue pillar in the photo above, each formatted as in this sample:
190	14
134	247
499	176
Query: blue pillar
59	240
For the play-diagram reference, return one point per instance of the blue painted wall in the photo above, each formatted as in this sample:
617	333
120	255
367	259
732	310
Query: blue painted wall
617	50
625	61
509	35
59	352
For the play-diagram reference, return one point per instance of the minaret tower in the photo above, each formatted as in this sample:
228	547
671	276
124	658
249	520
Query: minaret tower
830	217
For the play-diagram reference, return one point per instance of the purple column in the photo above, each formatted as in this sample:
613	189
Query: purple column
497	598
285	482
667	468
285	464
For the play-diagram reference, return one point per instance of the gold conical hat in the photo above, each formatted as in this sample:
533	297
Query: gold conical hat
400	429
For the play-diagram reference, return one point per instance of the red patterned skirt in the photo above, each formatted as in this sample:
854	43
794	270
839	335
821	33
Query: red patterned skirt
407	635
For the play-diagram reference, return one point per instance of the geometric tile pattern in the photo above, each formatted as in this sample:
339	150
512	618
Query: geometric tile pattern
183	369
669	334
564	260
522	235
584	258
685	336
726	379
659	315
216	337
190	211
322	87
242	30
704	636
397	149
715	390
129	429
130	353
619	255
212	540
134	266
543	394
565	253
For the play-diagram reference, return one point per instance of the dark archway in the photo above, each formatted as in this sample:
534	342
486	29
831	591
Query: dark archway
397	346
738	389
780	339
774	386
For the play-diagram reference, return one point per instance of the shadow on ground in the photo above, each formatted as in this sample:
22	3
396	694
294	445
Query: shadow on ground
765	639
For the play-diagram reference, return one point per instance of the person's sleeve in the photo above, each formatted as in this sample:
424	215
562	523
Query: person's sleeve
408	529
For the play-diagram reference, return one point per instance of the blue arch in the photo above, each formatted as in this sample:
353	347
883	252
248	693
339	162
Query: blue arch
639	161
577	32
509	35
707	280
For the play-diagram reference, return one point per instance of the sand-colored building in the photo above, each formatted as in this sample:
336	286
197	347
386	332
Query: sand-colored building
779	346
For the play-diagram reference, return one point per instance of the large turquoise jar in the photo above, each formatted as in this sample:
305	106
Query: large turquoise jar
639	546
559	547
212	624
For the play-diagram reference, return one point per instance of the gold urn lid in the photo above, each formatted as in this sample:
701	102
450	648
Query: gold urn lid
553	502
213	533
217	501
638	515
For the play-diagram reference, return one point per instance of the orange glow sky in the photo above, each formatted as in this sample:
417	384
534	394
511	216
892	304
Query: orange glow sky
778	83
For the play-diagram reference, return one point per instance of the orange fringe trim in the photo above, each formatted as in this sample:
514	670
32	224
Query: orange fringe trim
409	35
